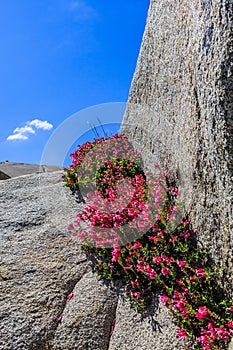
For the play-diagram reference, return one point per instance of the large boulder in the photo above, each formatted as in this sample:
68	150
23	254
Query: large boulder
41	264
180	113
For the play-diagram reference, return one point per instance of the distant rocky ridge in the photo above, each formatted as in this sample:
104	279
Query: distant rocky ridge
13	169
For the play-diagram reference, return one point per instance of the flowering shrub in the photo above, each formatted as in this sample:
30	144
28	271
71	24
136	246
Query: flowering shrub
134	231
95	154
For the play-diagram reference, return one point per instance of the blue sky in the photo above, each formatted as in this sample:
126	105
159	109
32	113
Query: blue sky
59	57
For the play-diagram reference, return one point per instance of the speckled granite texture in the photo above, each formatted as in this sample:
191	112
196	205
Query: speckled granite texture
180	112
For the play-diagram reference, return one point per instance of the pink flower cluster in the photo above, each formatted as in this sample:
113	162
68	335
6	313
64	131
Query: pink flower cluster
115	253
160	255
212	333
180	304
119	204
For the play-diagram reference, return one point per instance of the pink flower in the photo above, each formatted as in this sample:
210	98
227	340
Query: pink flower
210	332
180	282
193	278
157	260
127	267
164	258
70	296
133	253
115	253
136	245
201	273
165	271
181	333
181	263
164	299
231	308
230	324
152	274
151	238
202	312
134	283
185	290
180	305
173	239
112	326
139	267
135	294
59	318
203	339
222	334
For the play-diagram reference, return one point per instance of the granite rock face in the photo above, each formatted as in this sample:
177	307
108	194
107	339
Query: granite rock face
41	264
180	113
88	317
155	331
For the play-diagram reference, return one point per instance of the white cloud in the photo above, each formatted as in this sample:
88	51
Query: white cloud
21	133
17	136
39	124
25	129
